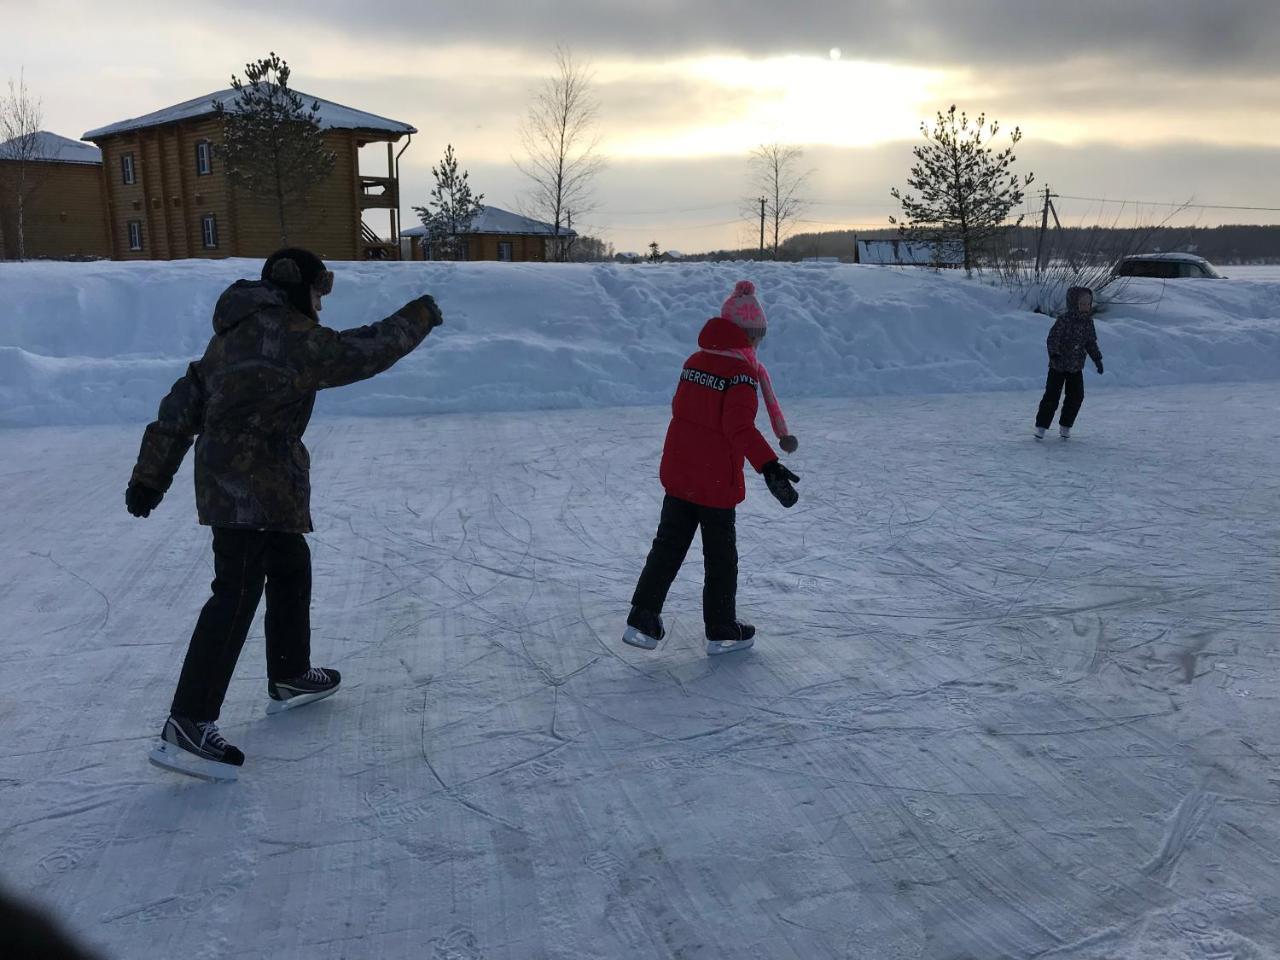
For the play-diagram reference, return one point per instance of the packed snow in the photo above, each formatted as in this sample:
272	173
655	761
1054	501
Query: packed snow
1010	699
101	342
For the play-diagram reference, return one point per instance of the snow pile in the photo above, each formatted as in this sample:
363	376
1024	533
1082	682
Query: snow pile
101	342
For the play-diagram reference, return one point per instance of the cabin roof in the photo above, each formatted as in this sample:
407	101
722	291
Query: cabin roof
51	148
496	220
333	116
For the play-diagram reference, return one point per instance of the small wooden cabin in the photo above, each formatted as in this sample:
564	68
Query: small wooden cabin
63	213
495	234
168	195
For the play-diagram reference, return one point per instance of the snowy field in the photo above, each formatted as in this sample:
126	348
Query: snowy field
1010	699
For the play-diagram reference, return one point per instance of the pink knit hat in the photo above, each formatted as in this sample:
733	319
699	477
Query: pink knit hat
744	309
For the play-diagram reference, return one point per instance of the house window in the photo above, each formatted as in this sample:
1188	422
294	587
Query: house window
209	230
504	250
128	174
204	158
135	234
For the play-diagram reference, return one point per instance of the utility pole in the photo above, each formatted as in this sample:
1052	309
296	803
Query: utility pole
763	201
568	240
1044	226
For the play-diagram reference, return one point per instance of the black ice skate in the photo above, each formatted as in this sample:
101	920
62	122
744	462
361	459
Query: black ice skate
196	748
644	629
729	638
316	684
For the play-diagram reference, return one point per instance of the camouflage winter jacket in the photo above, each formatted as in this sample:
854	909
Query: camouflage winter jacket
1071	338
249	399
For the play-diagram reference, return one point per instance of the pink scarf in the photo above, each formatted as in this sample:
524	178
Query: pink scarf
761	372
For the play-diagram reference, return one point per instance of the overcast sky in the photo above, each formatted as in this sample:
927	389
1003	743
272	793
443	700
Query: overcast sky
1153	100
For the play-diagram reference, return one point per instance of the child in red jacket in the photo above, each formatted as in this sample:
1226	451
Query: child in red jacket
712	432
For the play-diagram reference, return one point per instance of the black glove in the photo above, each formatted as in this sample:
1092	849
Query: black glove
1099	366
789	444
428	303
780	479
141	499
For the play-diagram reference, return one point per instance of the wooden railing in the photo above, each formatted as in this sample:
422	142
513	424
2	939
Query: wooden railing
373	247
379	193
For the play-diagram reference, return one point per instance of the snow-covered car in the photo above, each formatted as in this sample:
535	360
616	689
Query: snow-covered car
1167	266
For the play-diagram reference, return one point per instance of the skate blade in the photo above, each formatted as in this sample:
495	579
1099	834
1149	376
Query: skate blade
168	757
298	700
716	648
635	638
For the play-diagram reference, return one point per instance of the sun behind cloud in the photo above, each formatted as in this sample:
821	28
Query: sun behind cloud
793	99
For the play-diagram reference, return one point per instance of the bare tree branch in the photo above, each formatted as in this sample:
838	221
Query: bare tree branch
20	144
777	178
560	145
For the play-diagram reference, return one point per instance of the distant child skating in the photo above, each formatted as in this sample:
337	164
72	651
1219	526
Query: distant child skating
712	432
246	404
1071	338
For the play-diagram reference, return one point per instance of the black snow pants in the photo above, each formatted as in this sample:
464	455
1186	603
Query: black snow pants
679	521
244	561
1057	379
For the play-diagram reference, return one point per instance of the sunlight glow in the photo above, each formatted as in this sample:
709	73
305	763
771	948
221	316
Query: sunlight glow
794	99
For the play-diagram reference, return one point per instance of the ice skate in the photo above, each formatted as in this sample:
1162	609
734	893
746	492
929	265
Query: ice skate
1064	432
644	629
1039	433
730	638
316	684
197	749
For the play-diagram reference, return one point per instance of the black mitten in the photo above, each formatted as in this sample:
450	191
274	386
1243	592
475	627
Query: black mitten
1099	366
140	499
780	479
429	304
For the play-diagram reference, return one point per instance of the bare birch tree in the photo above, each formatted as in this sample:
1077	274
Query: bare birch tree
560	144
778	181
21	146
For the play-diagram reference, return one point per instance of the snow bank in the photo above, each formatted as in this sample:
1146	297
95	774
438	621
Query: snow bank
101	342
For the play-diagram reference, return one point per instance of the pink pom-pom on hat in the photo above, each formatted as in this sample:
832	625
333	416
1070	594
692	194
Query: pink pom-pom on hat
743	309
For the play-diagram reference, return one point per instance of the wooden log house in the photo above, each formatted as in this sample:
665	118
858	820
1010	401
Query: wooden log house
168	195
495	234
64	215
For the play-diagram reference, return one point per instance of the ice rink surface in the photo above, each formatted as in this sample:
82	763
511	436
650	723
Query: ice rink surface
1009	699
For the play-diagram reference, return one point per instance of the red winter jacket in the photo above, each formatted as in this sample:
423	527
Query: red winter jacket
713	423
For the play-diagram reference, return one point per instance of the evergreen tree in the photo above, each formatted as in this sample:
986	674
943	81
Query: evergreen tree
655	252
272	142
966	189
452	207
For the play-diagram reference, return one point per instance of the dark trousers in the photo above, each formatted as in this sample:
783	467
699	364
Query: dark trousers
244	561
679	521
1074	382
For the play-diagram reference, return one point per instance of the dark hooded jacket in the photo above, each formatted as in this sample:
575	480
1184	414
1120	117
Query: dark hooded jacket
1073	337
250	397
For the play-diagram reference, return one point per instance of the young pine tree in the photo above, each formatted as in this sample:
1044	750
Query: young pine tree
272	142
966	189
452	207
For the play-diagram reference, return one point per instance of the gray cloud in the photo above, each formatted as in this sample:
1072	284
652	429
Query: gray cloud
1190	34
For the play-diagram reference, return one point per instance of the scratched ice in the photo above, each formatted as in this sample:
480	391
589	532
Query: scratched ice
1010	699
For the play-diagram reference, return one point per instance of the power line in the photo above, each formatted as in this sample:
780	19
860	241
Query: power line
1158	203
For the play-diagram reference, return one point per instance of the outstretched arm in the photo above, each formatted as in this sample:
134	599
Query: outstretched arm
168	438
334	358
740	406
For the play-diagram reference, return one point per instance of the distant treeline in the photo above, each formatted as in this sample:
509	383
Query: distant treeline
1224	245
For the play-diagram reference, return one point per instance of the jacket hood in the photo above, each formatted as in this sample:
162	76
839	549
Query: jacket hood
722	334
243	299
1073	299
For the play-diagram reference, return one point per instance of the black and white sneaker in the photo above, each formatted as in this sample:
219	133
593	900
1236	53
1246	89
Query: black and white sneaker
196	748
644	629
316	684
730	638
